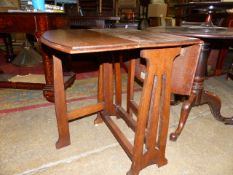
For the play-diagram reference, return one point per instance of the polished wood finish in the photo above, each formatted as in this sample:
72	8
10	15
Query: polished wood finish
229	23
8	45
152	113
36	24
215	13
230	73
199	95
98	7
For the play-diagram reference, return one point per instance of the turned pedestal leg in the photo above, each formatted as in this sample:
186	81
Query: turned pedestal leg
186	107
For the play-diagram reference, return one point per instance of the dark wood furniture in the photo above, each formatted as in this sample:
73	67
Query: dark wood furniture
8	45
98	7
230	72
210	14
88	22
199	95
152	112
199	11
92	14
229	23
36	24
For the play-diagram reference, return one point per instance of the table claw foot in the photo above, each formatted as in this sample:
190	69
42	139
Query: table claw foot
214	103
186	107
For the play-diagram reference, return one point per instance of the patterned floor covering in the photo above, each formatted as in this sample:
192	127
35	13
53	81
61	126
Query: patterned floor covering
12	100
27	144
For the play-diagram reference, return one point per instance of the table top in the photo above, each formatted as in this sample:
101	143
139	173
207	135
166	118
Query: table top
100	40
214	4
197	31
83	41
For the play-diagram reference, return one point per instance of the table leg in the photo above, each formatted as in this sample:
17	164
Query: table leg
152	113
100	94
153	110
200	96
63	116
214	103
105	86
9	48
60	106
48	91
108	88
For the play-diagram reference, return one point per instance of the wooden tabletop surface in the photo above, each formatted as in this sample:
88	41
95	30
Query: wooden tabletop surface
149	38
197	31
75	41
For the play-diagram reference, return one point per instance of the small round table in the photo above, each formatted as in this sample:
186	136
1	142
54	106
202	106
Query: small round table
200	96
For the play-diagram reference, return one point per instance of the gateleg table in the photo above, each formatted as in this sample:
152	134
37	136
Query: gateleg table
151	120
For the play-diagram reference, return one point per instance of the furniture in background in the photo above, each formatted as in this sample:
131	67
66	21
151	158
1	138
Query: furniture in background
229	23
98	7
199	95
87	14
36	24
5	5
78	22
157	15
152	112
208	15
8	45
230	72
128	11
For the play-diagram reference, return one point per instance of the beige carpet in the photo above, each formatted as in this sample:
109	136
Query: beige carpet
27	143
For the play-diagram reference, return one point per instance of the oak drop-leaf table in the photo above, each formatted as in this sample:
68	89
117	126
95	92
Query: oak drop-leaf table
151	114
